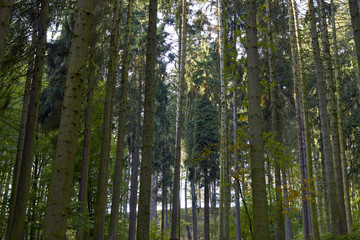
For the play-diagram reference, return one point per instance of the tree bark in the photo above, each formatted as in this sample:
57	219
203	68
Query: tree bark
16	230
260	209
114	217
224	204
83	232
355	24
61	182
329	167
329	77
148	126
22	130
179	116
279	217
5	16
135	167
339	110
102	183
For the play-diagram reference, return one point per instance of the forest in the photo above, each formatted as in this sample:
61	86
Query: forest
179	119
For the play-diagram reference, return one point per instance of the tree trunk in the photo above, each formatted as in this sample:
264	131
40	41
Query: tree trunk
355	23
333	114
288	231
114	217
314	227
340	120
61	182
260	209
236	159
193	206
329	167
206	207
179	116
22	130
224	204
297	77
17	225
135	167
5	16
83	232
153	198
279	217
102	183
148	126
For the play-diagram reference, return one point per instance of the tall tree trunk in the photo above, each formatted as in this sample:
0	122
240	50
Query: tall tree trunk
17	226
333	114
148	126
279	217
179	116
236	159
355	24
135	167
329	167
114	217
299	115
224	205
102	183
5	16
61	182
83	232
313	223
22	130
339	110
260	209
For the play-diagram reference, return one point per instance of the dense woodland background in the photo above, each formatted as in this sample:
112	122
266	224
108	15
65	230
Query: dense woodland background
179	119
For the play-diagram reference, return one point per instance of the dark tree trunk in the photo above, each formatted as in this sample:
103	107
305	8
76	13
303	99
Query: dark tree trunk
17	226
148	126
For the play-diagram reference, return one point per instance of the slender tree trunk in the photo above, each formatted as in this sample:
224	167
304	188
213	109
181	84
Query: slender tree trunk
333	114
135	168
206	207
179	116
313	223
260	209
102	183
148	126
114	217
153	198
279	217
22	130
193	203
5	16
17	226
224	205
339	110
355	23
329	167
288	231
83	232
61	182
236	160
